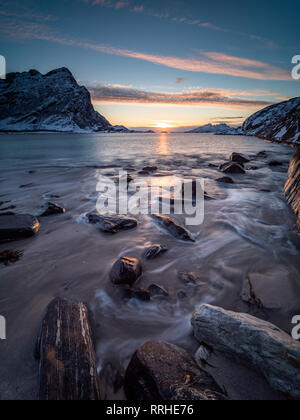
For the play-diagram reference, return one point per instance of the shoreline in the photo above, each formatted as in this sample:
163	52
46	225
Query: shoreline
63	243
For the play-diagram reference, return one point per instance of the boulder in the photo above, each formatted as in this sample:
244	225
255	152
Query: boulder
16	227
163	372
113	223
126	271
254	342
225	180
232	168
154	251
238	158
53	209
174	227
292	186
68	370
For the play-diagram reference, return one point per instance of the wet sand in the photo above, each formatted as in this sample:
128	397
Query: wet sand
247	232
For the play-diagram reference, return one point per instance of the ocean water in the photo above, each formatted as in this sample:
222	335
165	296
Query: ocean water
248	232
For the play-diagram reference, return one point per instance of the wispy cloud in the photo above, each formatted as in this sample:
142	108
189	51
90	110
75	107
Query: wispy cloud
201	62
102	94
140	8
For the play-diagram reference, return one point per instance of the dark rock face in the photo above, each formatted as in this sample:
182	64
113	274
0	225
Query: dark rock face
254	342
232	168
126	271
112	224
164	372
238	158
53	209
154	251
16	227
279	122
51	102
225	180
173	227
68	370
292	186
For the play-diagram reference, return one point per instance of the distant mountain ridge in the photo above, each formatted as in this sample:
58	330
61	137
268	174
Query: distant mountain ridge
217	129
31	101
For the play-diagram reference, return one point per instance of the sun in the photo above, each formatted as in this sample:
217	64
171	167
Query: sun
162	124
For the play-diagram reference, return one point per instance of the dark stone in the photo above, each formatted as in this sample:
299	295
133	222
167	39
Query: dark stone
68	370
126	271
26	186
174	228
262	155
292	186
225	180
16	227
156	290
7	257
140	294
112	224
163	372
112	377
238	158
275	163
232	168
150	168
181	295
53	209
154	251
188	278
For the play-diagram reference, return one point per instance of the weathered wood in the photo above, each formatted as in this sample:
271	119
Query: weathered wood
65	349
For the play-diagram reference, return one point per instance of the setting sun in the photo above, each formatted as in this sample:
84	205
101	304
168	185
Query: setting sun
162	124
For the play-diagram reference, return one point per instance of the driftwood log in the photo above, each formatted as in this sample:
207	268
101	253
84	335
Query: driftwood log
65	349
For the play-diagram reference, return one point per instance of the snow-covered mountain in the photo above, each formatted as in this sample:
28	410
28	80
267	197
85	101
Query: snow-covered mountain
31	101
279	122
217	129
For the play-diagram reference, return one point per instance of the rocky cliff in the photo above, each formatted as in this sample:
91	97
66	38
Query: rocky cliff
31	101
292	186
279	122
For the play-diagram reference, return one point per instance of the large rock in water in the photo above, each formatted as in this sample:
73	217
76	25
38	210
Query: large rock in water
175	228
31	101
126	271
112	224
16	227
232	168
164	372
279	122
292	186
68	370
253	341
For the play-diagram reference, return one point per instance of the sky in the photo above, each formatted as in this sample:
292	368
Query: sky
161	64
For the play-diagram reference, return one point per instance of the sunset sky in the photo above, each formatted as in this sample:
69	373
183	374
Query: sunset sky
166	63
